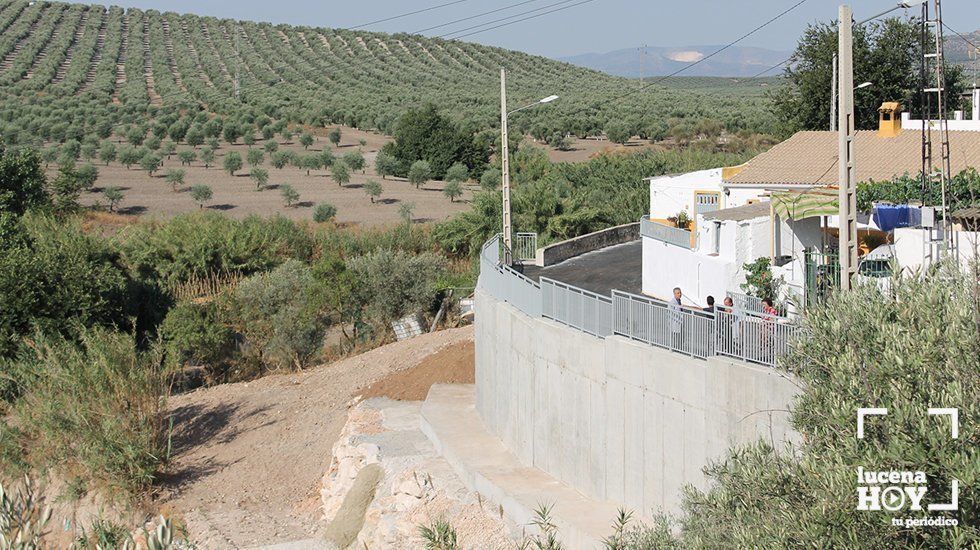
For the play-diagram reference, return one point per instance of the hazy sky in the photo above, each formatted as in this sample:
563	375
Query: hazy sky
595	26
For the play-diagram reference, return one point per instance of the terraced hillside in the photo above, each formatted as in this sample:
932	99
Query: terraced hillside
70	71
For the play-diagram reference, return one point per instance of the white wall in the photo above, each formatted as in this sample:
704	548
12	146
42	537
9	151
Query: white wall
666	266
616	419
909	247
671	194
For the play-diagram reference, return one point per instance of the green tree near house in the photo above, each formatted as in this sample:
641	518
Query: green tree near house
886	53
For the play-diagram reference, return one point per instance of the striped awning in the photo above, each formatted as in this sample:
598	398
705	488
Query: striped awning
798	205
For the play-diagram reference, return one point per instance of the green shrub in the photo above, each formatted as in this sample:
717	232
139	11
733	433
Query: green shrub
394	283
908	351
194	334
277	317
324	212
96	410
200	243
54	277
22	182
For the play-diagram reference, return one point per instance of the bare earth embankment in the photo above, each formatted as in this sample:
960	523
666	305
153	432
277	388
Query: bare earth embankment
249	457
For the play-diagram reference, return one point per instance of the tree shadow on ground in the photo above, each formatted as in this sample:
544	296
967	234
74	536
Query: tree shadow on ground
131	210
221	207
388	201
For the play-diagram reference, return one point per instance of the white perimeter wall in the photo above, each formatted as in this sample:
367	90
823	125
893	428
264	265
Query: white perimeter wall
616	419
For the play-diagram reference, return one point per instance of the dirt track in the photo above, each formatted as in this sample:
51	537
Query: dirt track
248	457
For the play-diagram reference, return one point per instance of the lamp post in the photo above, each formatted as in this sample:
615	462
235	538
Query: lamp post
505	159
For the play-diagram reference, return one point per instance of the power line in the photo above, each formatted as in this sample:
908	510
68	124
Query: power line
393	17
475	16
458	31
703	59
965	39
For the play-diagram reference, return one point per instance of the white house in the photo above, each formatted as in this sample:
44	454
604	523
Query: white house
739	214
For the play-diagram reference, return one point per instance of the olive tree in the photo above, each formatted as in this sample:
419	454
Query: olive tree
201	194
419	173
232	162
373	189
340	173
289	195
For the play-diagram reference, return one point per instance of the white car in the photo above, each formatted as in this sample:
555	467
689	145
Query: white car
877	267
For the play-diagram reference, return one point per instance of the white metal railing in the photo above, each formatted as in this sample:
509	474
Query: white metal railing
746	335
753	337
746	302
505	283
664	233
658	323
576	307
525	246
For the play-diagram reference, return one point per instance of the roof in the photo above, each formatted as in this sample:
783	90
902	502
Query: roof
969	217
810	158
740	213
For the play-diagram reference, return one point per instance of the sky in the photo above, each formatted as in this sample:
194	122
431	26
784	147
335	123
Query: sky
593	26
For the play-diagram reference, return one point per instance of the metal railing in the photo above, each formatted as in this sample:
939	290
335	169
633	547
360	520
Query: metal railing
738	333
664	233
525	246
746	302
505	283
753	337
576	307
668	326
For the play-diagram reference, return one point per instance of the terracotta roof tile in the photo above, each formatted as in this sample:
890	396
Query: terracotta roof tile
810	158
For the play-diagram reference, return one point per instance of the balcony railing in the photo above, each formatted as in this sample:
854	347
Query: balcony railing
665	233
746	335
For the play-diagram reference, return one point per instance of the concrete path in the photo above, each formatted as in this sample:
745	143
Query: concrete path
484	464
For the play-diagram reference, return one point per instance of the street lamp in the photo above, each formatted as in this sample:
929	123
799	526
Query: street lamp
505	158
862	85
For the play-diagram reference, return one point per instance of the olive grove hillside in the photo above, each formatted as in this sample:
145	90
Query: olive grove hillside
84	73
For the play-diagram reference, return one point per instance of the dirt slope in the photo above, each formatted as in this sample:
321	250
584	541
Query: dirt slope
248	457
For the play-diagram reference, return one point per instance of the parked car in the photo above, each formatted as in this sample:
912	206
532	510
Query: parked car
877	267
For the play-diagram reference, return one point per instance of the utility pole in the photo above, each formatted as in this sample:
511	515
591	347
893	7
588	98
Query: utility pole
505	165
833	97
847	186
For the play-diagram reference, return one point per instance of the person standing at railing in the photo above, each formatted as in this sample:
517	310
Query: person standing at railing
676	319
769	317
711	305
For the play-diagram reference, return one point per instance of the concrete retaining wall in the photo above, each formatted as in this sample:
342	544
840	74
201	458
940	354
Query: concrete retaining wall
559	252
613	418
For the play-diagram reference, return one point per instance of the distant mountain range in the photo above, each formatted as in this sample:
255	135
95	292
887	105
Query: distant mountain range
657	61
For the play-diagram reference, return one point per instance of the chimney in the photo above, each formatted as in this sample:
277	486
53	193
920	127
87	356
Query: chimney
889	119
